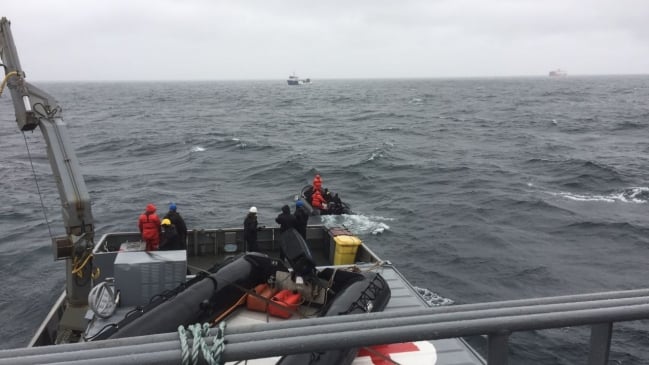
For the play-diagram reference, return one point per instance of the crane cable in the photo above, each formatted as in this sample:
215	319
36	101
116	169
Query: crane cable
38	189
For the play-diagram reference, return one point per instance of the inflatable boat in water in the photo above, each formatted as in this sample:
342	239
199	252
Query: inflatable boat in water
334	206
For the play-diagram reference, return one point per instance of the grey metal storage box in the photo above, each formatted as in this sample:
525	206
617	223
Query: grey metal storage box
139	275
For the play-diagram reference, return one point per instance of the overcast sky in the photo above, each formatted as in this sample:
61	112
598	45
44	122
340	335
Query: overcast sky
262	39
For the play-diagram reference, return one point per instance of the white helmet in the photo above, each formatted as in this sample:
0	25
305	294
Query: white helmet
253	210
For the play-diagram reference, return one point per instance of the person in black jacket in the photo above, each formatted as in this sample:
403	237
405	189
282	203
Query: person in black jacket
286	220
179	223
169	238
327	195
301	218
250	230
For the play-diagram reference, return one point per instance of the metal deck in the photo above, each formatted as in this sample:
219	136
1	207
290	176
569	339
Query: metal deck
450	351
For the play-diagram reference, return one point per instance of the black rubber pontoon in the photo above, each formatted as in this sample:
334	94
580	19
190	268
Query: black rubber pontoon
332	207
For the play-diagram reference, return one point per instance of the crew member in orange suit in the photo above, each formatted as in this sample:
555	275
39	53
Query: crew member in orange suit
317	200
317	183
149	225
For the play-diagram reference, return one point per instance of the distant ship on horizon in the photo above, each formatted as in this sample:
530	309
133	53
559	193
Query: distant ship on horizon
558	73
294	80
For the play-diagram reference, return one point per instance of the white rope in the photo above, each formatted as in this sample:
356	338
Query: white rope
212	355
184	354
218	345
198	340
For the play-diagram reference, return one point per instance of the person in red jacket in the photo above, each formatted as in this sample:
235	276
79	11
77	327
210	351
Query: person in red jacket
317	200
149	225
317	184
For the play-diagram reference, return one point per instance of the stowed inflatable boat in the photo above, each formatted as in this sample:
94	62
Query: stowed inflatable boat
243	284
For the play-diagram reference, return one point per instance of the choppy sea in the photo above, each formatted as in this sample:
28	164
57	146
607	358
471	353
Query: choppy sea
477	189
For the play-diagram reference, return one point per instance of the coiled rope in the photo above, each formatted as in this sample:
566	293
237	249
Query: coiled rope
212	355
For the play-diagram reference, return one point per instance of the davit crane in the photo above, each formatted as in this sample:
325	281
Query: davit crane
35	108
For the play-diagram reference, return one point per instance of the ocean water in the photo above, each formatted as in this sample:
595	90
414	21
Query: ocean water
477	189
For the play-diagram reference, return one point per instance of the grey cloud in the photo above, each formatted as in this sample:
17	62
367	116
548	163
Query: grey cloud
204	39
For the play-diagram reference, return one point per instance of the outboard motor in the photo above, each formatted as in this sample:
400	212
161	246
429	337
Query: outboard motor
297	253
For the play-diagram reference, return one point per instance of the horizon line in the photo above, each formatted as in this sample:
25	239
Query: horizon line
350	78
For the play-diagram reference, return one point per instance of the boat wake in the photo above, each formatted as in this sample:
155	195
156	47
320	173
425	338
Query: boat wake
357	223
638	195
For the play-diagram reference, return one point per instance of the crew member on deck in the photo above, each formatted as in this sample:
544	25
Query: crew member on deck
250	230
286	220
301	218
170	237
178	222
149	225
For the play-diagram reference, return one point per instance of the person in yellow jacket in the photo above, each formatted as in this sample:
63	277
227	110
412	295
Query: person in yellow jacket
170	238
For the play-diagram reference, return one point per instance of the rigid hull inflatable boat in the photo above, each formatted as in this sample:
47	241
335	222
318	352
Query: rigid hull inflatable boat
332	208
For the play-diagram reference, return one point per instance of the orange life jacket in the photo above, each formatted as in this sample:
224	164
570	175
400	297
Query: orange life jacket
317	200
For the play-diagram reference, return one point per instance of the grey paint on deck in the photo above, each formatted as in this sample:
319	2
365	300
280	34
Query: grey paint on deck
450	351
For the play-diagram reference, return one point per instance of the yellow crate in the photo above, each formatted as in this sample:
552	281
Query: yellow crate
346	248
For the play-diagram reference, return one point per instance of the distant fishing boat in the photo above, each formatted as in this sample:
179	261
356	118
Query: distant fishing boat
558	73
295	80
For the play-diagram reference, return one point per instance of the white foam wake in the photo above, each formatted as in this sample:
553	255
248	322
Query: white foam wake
375	155
636	195
358	224
197	149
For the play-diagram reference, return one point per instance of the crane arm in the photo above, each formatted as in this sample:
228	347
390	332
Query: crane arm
36	108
